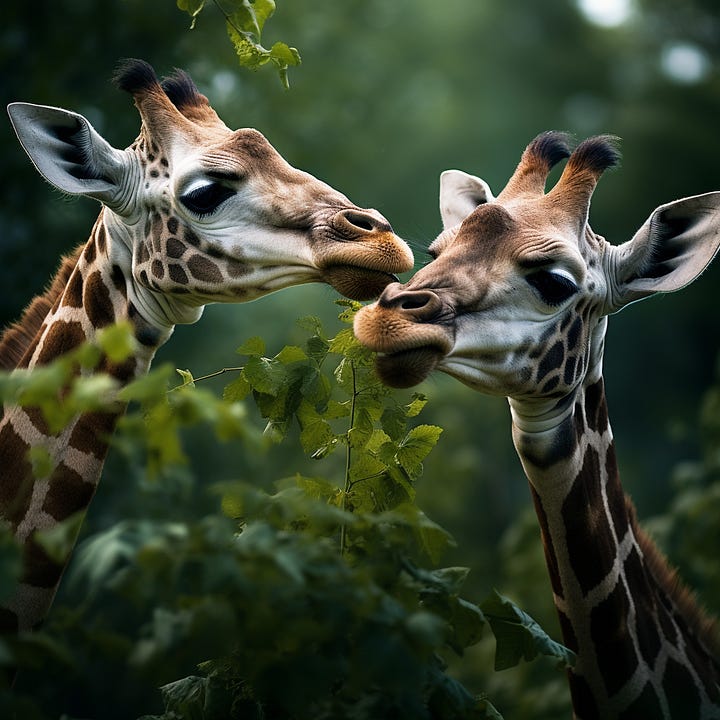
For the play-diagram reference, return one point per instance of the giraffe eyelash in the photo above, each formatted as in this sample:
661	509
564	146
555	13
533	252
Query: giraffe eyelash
206	199
554	288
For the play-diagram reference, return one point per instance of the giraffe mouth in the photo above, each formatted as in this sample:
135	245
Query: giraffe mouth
407	368
357	283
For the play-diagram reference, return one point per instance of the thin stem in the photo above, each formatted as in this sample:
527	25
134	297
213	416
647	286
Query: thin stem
207	377
229	21
348	458
367	477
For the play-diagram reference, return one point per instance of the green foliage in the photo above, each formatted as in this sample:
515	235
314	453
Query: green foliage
519	636
244	20
70	385
320	599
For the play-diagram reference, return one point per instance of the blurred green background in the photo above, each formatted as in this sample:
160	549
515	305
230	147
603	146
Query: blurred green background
390	94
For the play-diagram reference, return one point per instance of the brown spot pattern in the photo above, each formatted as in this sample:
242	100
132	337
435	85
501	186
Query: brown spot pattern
73	296
98	305
646	628
592	552
616	656
68	492
60	338
646	705
583	702
39	569
174	248
203	269
680	691
91	432
177	274
158	269
101	238
550	557
37	419
90	252
17	480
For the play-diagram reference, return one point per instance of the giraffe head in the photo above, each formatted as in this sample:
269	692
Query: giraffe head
207	214
515	300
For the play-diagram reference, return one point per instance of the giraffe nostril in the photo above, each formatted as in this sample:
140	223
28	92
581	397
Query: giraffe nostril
421	304
364	221
413	303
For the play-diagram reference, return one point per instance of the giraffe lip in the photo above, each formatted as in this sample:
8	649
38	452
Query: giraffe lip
405	368
357	283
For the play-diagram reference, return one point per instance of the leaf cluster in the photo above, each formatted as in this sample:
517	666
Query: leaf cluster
244	22
322	599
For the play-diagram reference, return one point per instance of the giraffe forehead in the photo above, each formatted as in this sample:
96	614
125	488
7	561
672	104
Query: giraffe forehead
496	237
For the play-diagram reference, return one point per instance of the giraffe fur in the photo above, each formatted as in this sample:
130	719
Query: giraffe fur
192	213
515	302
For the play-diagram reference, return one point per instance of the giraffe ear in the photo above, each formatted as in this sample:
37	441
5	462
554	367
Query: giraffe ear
673	247
68	152
460	194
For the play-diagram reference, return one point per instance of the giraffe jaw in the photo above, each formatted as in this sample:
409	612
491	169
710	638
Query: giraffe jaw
357	283
407	368
407	351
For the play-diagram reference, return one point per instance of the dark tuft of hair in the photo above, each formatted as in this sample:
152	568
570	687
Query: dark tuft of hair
598	153
551	147
181	90
134	76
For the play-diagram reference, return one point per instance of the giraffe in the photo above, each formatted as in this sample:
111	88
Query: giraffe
192	213
515	303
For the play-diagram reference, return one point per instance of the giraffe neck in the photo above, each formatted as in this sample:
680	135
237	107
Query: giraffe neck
639	638
93	290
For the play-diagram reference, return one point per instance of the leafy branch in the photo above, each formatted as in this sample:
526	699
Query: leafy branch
362	632
244	23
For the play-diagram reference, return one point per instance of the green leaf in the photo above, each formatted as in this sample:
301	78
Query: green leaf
291	354
415	406
345	376
518	635
41	461
394	421
254	347
264	375
185	697
317	348
187	377
415	447
467	622
263	10
315	432
117	341
362	429
351	309
152	386
192	7
92	392
433	539
364	466
450	578
238	389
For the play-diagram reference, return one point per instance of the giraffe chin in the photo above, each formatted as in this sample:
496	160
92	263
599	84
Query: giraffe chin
357	283
408	367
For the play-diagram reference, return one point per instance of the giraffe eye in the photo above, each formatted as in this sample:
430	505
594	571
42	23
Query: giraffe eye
206	199
553	287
